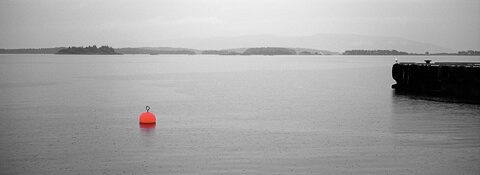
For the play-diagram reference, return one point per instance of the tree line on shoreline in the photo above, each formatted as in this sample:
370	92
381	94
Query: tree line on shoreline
106	50
395	52
89	50
374	52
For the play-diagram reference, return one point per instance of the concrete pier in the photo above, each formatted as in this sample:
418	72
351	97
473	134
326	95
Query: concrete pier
450	80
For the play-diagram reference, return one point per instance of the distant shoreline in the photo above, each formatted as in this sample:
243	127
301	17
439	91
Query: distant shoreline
239	51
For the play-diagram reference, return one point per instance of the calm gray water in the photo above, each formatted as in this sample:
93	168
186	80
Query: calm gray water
66	114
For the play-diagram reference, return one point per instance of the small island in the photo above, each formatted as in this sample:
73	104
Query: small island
90	50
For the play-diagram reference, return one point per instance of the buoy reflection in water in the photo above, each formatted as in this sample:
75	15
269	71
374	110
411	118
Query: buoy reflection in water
147	128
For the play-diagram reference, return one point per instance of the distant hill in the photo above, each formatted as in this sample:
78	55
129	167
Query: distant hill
166	48
155	50
332	42
374	52
269	51
297	50
326	44
315	51
342	42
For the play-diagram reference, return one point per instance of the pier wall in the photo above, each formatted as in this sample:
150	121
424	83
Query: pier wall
456	80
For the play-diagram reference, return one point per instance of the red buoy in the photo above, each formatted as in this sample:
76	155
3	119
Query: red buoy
147	117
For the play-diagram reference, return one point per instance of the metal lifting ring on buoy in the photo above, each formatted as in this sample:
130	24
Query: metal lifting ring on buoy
147	117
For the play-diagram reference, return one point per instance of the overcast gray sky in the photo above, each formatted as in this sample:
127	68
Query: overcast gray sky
121	23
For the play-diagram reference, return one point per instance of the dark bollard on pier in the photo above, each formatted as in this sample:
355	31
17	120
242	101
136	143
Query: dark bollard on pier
457	81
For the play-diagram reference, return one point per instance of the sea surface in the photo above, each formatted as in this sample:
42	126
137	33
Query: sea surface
78	114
